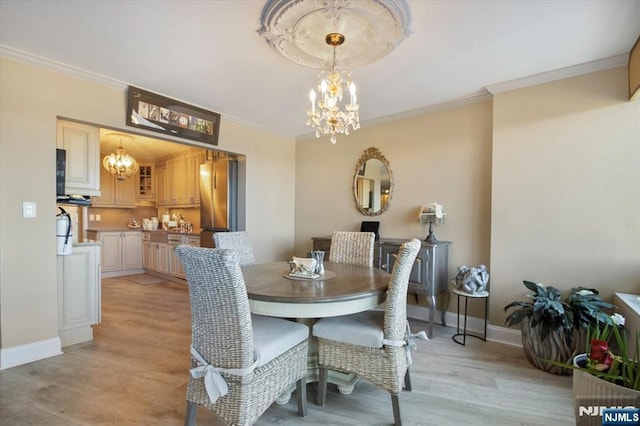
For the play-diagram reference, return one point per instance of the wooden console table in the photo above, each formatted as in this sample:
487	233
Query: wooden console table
429	275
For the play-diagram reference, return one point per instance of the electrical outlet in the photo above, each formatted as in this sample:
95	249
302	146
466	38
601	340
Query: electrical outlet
92	218
98	218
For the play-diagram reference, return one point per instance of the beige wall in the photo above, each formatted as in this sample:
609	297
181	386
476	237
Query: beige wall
31	100
542	184
443	157
566	188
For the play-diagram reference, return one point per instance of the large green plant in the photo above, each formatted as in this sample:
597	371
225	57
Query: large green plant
549	310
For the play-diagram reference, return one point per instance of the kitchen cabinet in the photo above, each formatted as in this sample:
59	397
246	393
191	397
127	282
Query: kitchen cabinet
82	168
145	193
155	255
429	274
121	252
161	183
79	295
176	269
192	174
115	193
160	257
177	181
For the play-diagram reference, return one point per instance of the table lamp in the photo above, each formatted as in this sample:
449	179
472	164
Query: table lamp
431	213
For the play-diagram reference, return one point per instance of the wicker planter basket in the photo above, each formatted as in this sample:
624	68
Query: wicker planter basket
552	348
591	391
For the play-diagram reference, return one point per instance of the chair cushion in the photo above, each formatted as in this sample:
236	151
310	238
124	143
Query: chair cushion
273	336
362	329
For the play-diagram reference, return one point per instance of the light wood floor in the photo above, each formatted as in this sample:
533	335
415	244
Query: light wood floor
134	372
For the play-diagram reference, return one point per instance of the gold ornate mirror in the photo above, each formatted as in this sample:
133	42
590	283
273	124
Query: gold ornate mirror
372	183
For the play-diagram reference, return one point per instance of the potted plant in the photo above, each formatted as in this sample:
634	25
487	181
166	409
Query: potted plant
553	327
605	377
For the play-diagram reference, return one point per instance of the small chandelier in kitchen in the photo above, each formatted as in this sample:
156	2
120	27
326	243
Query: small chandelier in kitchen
327	117
120	164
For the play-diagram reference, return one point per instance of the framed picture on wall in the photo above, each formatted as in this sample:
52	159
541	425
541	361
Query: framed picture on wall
158	113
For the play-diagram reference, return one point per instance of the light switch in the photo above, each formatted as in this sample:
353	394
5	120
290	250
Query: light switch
92	218
98	218
28	209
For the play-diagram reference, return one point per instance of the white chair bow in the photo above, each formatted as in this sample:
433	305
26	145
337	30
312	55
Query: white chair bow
409	342
213	381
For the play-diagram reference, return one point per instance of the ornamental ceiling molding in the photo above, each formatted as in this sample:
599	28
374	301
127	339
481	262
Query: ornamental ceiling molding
297	28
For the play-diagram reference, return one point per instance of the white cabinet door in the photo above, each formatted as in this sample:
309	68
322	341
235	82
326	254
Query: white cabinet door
159	254
115	193
82	143
163	258
79	295
161	185
175	265
147	255
192	177
132	250
126	193
107	190
111	251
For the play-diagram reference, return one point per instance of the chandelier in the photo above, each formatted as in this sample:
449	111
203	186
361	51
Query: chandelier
327	116
120	164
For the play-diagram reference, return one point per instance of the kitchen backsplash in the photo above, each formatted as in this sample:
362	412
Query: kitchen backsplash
116	218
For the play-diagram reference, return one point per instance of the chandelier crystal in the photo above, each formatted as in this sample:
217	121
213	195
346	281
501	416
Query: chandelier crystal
327	116
120	164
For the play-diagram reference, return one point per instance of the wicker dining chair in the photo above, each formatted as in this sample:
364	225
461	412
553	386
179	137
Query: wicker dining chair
352	247
374	345
237	241
240	363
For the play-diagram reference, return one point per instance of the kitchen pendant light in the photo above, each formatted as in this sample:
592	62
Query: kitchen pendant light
120	164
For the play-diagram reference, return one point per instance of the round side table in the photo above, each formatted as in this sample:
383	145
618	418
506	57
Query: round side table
480	295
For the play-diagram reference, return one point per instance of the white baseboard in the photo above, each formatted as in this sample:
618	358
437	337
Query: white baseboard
505	335
23	354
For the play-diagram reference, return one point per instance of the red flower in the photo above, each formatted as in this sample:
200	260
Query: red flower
600	354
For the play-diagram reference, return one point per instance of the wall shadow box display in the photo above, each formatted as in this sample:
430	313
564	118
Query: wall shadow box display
160	114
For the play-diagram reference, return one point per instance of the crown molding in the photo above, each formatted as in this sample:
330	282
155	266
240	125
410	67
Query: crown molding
59	67
65	69
560	74
481	96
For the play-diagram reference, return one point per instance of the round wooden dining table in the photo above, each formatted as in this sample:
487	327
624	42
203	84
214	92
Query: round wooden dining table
344	289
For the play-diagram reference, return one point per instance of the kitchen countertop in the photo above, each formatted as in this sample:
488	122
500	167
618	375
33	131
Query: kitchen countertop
172	231
87	243
125	229
114	229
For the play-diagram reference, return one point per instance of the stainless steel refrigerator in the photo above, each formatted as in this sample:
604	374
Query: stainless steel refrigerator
218	197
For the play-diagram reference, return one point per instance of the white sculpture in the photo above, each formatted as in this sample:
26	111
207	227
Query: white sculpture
471	280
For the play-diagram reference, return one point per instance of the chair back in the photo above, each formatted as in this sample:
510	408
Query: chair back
237	241
395	310
355	248
221	329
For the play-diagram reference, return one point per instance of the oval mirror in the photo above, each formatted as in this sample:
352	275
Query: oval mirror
373	183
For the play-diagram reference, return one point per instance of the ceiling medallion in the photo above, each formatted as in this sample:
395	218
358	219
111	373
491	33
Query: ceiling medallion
297	28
